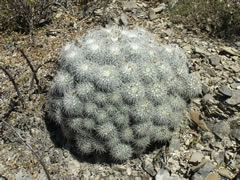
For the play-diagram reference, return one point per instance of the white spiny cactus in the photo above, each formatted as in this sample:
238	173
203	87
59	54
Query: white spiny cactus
118	91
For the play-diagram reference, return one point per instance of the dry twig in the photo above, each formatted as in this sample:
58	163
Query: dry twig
32	69
46	62
14	84
29	147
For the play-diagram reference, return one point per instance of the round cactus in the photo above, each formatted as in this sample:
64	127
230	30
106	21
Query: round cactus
118	91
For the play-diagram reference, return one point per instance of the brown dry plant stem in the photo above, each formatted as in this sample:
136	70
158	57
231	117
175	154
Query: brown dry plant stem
32	69
46	62
14	84
28	146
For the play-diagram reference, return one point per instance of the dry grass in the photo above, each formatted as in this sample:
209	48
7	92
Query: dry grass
24	15
218	17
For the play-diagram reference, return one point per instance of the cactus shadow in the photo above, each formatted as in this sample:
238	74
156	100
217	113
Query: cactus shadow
60	141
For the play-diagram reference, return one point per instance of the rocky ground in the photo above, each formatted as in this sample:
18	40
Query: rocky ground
206	146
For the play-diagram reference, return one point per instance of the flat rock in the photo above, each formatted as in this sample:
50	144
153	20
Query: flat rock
124	19
217	145
235	99
236	133
235	68
215	60
221	129
225	91
163	174
229	50
207	168
129	5
213	176
225	173
235	129
196	157
219	157
203	172
119	167
205	89
235	86
201	51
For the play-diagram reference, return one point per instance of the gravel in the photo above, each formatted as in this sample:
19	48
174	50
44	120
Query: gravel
194	153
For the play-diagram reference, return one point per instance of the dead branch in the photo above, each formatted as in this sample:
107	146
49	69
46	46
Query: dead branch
14	84
32	69
46	62
28	146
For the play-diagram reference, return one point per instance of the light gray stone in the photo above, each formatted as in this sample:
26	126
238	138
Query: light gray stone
23	175
235	129
163	174
129	5
225	173
235	86
203	172
235	99
201	51
124	19
225	91
205	89
219	157
222	129
215	60
237	43
196	157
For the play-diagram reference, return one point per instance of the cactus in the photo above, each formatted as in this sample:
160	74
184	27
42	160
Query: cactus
118	91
